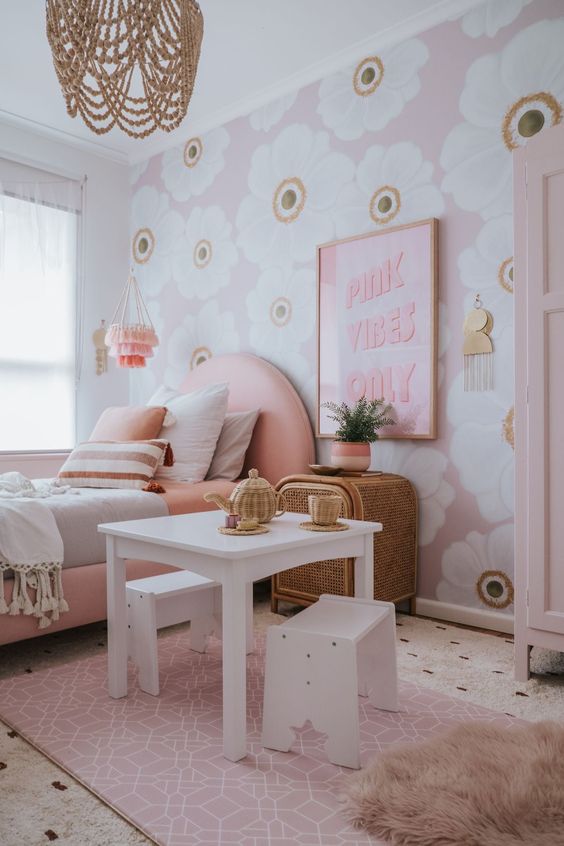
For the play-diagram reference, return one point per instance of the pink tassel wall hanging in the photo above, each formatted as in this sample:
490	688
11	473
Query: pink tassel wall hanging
131	339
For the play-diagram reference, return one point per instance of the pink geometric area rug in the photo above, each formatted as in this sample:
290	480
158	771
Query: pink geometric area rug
158	760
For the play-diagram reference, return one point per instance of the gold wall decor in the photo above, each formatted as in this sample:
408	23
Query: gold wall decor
126	63
478	349
98	338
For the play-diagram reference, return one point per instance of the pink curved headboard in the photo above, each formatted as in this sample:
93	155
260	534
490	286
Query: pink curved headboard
282	442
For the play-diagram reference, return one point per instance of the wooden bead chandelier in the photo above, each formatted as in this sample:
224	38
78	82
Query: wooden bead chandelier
126	63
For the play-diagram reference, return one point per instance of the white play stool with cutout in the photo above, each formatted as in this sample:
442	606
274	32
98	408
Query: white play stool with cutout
318	662
165	600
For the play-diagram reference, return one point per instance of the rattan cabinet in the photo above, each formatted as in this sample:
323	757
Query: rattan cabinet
385	498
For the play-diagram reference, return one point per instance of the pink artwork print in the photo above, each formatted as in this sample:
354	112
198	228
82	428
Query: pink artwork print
377	325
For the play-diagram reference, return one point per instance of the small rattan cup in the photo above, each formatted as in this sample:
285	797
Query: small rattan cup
324	510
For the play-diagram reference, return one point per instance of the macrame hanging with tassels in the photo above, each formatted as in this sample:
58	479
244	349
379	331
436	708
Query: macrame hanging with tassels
478	349
131	341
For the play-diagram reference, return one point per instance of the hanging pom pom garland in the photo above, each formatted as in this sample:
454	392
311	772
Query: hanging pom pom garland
478	349
130	342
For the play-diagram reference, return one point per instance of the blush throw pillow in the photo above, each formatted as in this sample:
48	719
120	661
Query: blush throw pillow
129	423
114	464
234	440
198	418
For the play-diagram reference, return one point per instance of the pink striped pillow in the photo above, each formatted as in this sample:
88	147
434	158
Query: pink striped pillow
115	464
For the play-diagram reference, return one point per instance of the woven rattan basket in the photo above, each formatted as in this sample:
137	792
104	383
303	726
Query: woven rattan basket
386	498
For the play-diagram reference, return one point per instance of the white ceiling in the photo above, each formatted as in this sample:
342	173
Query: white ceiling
253	51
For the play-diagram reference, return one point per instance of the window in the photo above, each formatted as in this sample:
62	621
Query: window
38	306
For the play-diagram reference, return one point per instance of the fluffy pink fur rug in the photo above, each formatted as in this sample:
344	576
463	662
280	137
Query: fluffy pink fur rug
476	785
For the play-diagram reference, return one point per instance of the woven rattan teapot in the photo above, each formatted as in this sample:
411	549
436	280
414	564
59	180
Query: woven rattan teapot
253	497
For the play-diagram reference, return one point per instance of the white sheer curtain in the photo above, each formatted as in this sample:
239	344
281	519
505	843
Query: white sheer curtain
39	230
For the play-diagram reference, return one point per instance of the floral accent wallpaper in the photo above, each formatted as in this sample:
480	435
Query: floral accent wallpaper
224	230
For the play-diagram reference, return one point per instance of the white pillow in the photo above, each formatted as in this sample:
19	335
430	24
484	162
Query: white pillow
234	440
198	418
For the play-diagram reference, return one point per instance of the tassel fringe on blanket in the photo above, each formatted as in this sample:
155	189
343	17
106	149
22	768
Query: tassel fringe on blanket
45	580
31	547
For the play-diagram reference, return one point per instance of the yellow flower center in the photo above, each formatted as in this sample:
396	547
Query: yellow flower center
143	245
508	427
281	311
193	150
505	275
199	355
202	254
495	589
385	204
368	75
529	115
289	199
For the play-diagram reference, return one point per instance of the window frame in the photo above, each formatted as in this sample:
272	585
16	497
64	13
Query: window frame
78	296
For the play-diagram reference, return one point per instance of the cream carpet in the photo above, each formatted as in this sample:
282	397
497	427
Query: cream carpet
44	804
478	666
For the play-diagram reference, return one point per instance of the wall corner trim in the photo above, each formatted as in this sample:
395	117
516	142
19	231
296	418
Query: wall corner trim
94	148
482	618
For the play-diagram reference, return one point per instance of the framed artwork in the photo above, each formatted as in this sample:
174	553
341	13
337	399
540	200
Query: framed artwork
377	326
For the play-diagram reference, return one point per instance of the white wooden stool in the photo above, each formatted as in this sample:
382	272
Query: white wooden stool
316	665
165	600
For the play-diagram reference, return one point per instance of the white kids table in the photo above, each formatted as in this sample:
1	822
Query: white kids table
192	542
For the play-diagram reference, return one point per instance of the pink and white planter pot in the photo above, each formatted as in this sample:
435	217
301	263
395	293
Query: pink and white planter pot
351	455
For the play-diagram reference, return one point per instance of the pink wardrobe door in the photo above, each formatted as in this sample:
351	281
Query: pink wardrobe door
544	368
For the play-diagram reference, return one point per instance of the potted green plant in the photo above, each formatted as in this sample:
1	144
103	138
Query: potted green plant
357	428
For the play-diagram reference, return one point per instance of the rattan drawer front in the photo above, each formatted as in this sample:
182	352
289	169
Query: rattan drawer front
310	581
393	503
385	498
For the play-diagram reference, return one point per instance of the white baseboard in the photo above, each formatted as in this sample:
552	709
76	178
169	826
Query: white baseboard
482	618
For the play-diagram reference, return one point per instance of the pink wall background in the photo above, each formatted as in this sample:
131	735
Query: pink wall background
224	230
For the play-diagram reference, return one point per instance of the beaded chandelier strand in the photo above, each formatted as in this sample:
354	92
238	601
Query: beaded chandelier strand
101	47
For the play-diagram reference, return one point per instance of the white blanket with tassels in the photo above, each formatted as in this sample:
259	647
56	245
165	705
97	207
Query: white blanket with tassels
31	546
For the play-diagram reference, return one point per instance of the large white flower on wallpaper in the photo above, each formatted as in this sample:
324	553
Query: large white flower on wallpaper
294	184
156	232
478	571
272	113
482	444
487	267
490	17
189	170
204	261
508	97
143	381
366	98
281	309
425	467
393	185
199	337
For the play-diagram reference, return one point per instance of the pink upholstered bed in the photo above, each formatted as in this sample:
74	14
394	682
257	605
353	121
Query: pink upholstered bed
282	444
